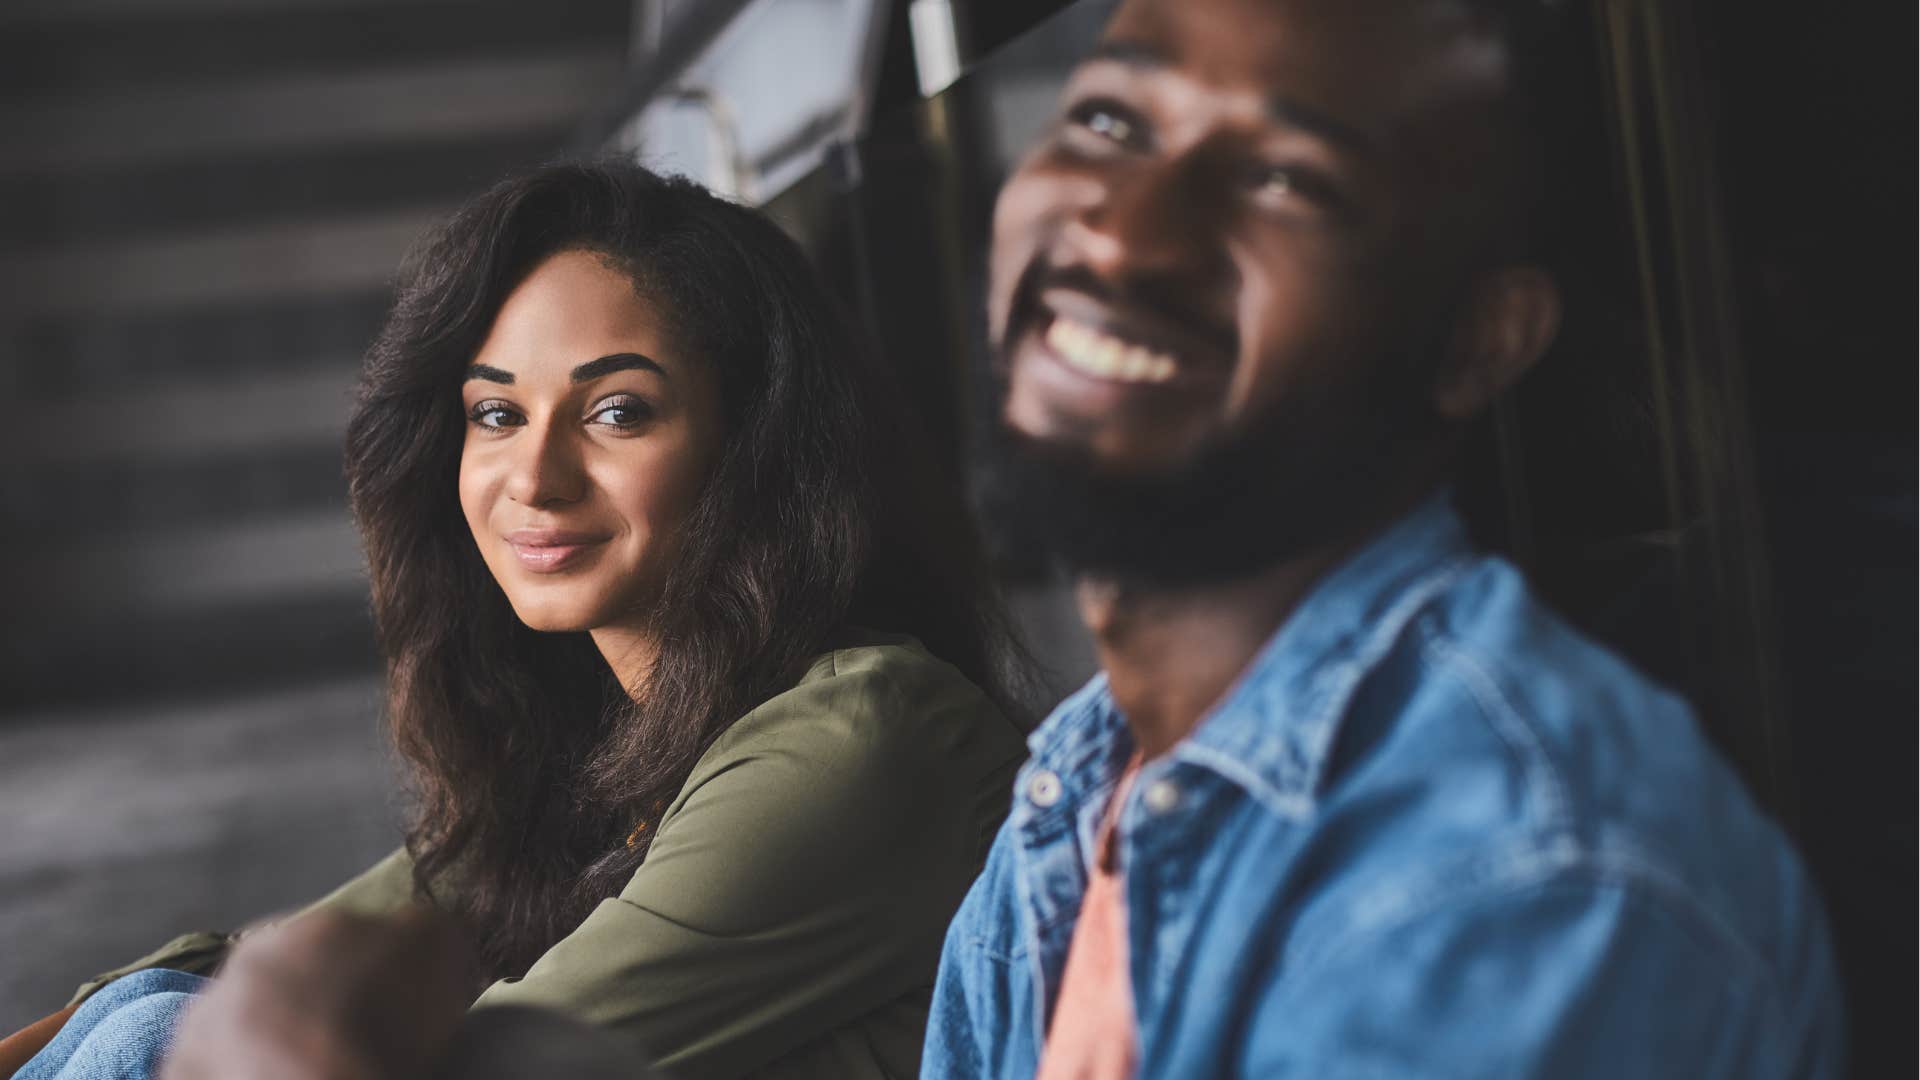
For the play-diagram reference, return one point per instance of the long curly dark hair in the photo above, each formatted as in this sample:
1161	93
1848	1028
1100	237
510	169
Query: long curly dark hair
529	763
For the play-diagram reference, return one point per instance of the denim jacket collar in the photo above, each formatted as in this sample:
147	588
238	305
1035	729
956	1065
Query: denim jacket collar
1273	731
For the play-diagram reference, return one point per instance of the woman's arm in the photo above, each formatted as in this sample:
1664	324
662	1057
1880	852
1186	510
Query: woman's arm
18	1048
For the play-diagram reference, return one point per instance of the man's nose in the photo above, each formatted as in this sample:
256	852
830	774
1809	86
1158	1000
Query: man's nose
546	469
1153	222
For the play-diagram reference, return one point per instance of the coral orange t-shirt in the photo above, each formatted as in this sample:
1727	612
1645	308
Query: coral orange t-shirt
1092	1034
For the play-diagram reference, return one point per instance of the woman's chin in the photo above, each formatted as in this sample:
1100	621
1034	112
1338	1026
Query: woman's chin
551	621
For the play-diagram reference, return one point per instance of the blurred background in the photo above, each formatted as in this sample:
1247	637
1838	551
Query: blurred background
203	202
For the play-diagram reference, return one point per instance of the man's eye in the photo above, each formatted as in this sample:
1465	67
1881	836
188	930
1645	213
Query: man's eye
1282	185
493	414
1275	183
1108	121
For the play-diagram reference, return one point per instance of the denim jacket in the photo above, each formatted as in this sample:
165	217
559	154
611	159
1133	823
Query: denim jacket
1431	831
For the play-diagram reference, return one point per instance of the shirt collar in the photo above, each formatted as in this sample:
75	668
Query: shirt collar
1274	730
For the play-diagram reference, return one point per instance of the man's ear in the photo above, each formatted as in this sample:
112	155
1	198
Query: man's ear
1511	318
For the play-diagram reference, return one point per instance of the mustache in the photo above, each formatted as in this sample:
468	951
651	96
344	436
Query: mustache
1157	299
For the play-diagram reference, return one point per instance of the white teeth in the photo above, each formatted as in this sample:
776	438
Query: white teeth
1105	356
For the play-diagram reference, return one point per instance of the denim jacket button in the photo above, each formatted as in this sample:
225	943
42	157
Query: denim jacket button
1044	789
1162	796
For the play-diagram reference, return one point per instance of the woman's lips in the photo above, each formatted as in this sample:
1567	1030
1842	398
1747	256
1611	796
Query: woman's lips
549	551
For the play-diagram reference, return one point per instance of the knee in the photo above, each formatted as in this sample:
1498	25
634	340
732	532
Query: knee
133	987
154	981
156	1012
131	1041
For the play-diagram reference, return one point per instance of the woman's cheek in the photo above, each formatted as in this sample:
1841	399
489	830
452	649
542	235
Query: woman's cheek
474	492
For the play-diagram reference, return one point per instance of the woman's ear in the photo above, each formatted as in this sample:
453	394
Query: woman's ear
1512	317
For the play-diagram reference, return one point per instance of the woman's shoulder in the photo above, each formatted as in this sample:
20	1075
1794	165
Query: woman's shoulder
881	661
873	696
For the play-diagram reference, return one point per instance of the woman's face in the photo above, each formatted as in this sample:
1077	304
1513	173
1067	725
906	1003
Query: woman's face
588	436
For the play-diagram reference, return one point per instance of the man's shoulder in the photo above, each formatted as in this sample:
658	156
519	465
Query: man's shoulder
1595	952
1495	689
1489	617
1489	670
1499	754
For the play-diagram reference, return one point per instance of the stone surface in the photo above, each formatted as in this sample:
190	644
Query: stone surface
121	828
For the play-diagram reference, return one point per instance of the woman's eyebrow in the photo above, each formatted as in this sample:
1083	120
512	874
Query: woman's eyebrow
490	374
607	365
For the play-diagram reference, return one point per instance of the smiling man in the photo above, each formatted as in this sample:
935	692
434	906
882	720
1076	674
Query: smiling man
1346	799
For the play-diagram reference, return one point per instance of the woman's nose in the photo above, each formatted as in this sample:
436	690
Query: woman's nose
546	468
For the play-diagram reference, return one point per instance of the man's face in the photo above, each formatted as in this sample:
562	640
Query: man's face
1252	223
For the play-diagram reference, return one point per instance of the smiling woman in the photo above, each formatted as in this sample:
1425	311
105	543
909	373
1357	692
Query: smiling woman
692	669
576	474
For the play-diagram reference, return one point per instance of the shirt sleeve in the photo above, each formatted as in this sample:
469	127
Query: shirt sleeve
802	880
197	953
1577	979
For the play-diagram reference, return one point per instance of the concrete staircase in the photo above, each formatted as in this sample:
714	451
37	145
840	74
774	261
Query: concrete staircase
202	204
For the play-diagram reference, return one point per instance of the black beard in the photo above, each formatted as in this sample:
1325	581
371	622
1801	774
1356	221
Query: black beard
1299	481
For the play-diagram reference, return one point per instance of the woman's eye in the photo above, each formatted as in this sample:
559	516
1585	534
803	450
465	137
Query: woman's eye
621	413
493	414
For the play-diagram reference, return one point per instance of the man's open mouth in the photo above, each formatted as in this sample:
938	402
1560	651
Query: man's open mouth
1101	355
1130	345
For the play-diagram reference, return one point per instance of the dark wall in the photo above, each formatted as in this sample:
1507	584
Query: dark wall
1817	122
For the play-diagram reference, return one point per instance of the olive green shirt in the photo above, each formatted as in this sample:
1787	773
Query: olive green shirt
789	916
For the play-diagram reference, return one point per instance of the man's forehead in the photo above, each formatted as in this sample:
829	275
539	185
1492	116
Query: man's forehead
1410	19
1370	58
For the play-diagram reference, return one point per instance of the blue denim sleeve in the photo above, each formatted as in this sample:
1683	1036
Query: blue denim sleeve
971	1025
1563	979
950	1049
